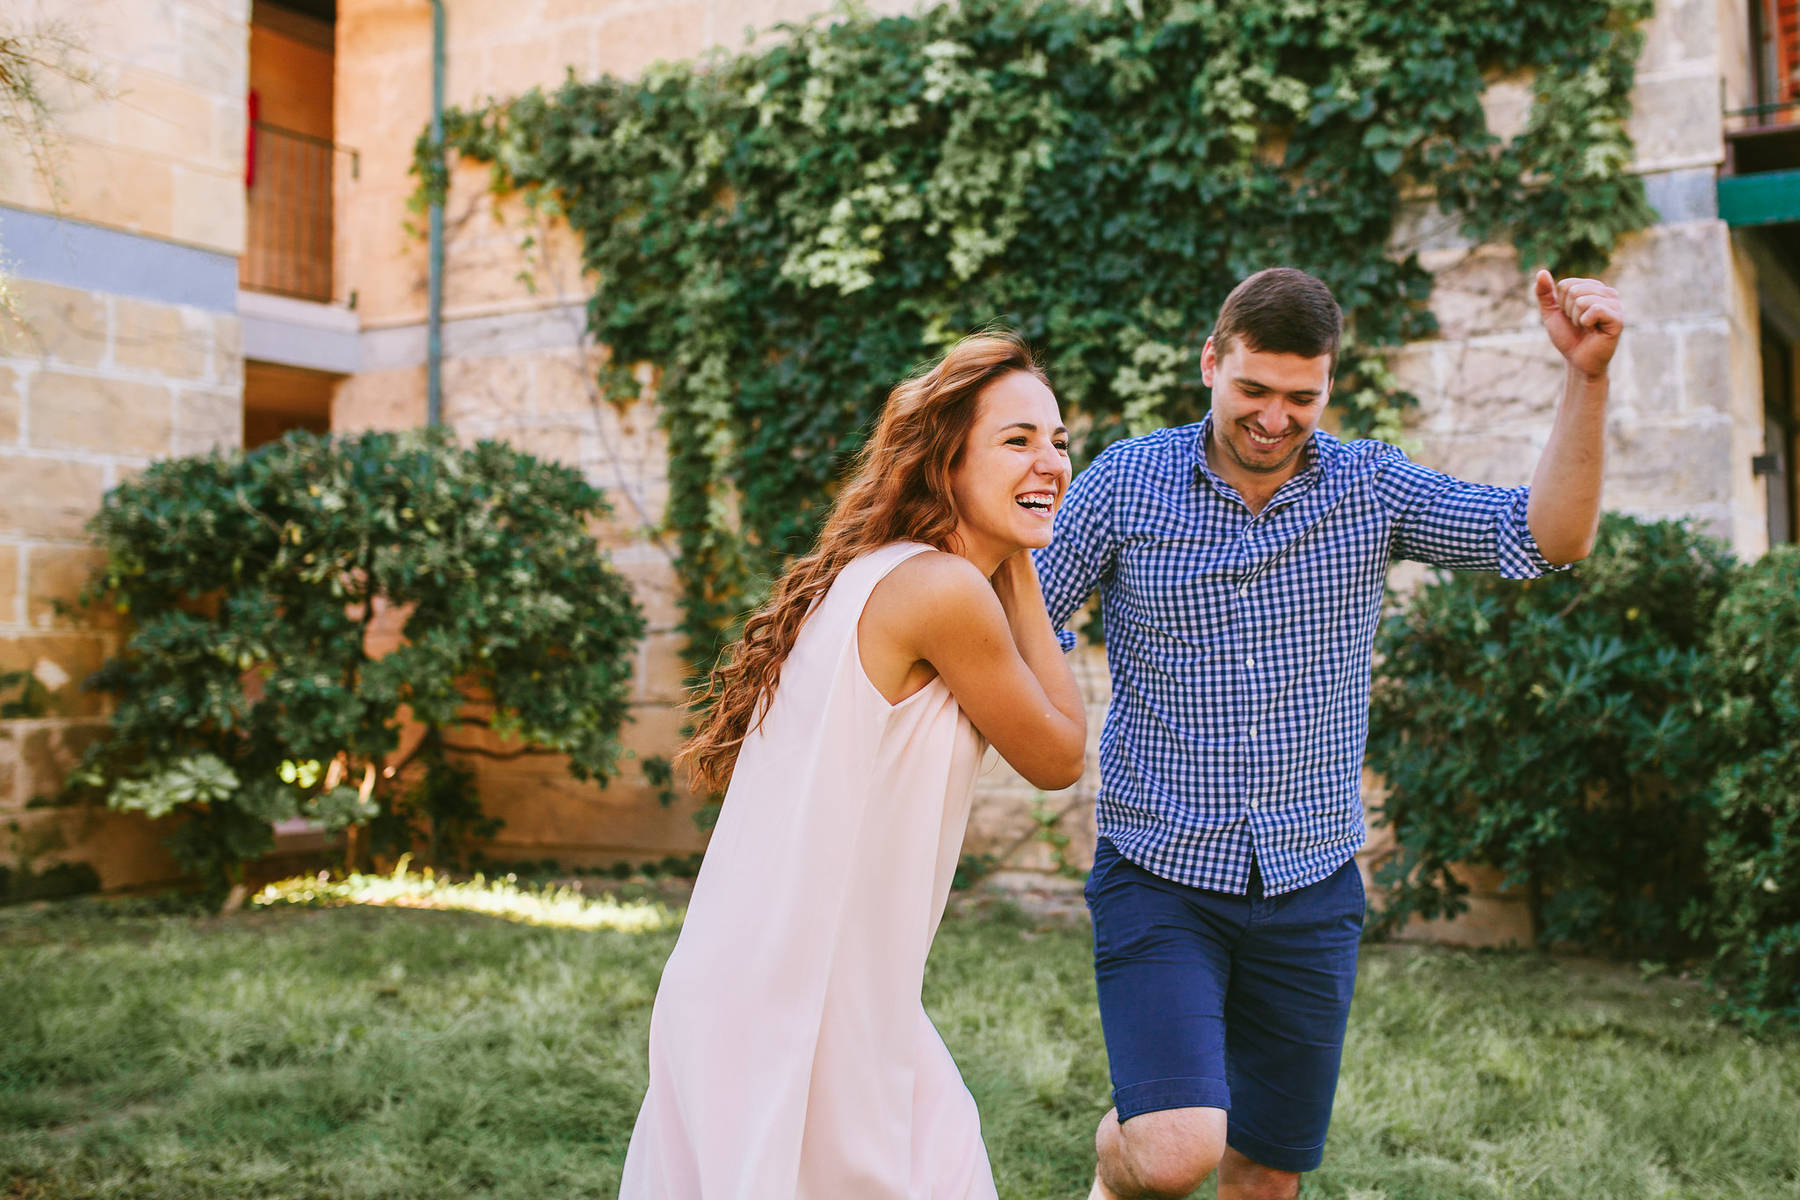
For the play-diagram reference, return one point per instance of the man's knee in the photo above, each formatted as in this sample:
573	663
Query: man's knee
1171	1178
1273	1187
1243	1178
1286	1187
1166	1155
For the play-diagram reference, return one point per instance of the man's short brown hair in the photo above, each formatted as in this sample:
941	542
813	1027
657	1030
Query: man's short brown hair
1281	311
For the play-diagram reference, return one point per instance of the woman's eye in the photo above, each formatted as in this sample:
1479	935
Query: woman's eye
1016	441
1063	447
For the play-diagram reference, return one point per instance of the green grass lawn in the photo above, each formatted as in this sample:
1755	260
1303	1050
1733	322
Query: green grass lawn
393	1052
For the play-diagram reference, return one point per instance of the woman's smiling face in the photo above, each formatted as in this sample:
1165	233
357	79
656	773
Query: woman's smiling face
1013	470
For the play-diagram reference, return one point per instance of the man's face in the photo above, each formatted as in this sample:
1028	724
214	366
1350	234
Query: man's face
1265	406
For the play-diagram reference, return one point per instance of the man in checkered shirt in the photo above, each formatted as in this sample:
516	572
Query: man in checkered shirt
1240	564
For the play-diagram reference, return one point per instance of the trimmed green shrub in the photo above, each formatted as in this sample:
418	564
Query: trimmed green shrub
247	693
1752	910
1555	730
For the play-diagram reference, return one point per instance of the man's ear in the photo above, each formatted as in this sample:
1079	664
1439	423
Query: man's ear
1209	362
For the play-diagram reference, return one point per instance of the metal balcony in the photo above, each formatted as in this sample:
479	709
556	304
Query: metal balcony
291	181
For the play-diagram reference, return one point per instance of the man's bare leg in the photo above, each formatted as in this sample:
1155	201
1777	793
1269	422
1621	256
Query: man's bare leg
1158	1155
1242	1178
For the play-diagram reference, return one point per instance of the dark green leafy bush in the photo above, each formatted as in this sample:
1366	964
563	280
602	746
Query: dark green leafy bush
1555	730
55	882
248	692
1752	913
441	812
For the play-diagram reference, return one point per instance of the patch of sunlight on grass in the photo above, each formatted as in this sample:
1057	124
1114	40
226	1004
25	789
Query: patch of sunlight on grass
563	907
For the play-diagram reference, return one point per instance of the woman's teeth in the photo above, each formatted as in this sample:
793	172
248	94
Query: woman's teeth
1036	501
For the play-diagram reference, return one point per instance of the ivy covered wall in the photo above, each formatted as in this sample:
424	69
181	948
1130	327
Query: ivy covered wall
522	365
783	233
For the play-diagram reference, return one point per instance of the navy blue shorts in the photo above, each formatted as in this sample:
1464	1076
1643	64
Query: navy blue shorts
1210	1000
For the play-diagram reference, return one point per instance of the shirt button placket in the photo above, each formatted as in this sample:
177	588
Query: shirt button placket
1247	768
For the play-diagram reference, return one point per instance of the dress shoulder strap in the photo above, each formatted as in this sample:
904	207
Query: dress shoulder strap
850	591
874	566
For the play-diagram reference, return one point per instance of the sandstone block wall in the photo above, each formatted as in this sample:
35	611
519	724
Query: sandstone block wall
102	372
158	147
93	386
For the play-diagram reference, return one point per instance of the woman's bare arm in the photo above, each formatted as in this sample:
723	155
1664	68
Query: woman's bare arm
992	644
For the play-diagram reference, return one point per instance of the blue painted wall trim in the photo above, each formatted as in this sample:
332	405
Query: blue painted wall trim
76	254
1686	195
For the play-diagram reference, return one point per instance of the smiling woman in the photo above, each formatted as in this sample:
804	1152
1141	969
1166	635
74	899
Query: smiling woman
954	449
1012	470
789	1052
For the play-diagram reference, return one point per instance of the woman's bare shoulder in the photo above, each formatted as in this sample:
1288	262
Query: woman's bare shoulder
935	577
931	592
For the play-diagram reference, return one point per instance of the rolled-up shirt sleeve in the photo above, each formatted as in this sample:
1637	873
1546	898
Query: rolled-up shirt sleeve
1079	557
1447	522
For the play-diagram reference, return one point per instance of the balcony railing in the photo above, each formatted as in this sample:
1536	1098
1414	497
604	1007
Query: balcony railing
288	239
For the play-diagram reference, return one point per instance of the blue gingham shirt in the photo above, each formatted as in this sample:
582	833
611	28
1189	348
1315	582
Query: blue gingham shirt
1240	647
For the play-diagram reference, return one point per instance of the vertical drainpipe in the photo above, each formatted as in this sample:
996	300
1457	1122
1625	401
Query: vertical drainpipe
434	320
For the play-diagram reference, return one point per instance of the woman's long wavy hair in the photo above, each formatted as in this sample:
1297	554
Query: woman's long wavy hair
899	491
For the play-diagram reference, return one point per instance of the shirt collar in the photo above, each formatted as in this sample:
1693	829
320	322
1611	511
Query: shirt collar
1317	457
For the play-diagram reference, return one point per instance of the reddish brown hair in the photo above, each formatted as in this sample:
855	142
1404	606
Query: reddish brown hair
899	491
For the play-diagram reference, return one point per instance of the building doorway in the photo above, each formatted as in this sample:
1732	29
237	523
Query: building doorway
1781	435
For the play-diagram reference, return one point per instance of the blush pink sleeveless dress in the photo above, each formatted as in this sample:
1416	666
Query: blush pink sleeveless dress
790	1055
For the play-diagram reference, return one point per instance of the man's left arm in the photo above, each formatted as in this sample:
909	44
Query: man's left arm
1584	319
